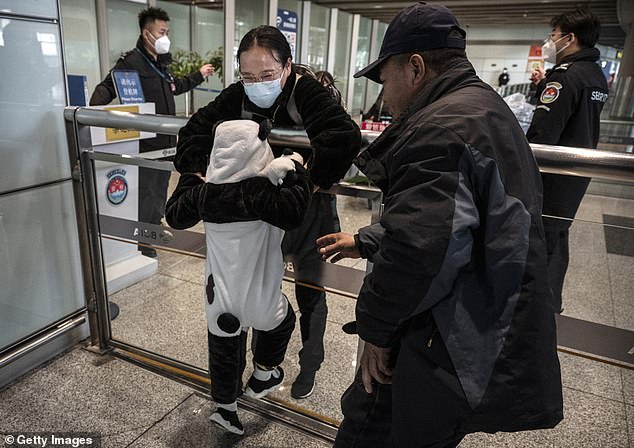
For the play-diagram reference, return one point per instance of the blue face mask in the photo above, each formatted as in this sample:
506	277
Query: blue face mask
263	94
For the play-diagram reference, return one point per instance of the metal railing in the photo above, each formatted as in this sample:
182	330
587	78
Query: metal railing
553	159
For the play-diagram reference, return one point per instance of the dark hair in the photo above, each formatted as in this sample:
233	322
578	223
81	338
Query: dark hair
150	15
266	36
324	77
304	70
328	81
585	25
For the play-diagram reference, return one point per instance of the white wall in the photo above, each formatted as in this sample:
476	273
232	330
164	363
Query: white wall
490	49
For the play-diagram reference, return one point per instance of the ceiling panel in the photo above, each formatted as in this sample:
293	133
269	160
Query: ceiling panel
480	12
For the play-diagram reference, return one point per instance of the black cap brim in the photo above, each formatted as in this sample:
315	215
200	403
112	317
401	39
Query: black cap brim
372	71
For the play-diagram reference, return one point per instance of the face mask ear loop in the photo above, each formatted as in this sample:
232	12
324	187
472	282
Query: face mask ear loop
567	45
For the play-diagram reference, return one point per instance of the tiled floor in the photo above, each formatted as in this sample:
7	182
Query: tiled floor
126	406
129	406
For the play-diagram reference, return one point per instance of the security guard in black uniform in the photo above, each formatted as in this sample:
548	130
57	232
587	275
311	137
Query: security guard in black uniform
151	59
571	97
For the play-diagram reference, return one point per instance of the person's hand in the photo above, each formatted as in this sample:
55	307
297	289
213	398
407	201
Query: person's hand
278	169
340	244
537	75
374	365
207	70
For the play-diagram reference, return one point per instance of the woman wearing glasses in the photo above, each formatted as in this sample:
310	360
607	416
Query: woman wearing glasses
271	89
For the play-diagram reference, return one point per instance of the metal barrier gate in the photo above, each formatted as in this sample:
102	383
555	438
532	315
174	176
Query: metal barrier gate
336	279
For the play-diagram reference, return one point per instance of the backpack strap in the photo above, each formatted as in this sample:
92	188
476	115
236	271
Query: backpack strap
291	106
244	113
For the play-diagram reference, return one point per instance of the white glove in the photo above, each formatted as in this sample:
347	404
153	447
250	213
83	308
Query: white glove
278	168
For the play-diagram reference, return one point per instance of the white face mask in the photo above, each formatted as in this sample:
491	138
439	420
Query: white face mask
263	94
550	52
162	45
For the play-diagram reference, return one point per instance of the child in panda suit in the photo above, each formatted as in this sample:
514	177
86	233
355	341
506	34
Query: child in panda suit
244	266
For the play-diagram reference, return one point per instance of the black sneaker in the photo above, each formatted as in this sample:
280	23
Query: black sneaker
257	388
304	385
350	327
148	251
227	420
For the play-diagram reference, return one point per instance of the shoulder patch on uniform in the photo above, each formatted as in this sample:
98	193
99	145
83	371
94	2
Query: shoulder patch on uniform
563	67
550	92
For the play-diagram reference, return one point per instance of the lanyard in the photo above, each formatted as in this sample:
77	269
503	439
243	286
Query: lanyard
166	76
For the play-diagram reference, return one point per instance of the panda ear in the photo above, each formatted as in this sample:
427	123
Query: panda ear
265	129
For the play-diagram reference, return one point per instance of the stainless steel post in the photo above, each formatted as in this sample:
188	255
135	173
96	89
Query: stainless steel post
79	141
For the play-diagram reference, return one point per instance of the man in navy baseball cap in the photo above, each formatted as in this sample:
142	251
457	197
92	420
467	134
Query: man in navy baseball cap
420	27
458	328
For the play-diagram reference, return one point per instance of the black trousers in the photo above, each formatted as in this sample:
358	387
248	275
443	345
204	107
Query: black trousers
562	196
424	407
299	248
557	259
153	186
227	356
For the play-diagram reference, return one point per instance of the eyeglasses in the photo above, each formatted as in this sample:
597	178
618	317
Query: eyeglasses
267	75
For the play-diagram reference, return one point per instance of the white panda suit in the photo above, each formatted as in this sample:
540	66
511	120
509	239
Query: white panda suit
244	266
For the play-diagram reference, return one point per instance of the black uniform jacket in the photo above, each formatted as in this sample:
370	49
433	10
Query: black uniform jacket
283	206
159	87
461	235
568	113
335	139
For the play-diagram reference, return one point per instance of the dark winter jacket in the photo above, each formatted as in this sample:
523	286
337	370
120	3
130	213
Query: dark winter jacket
568	113
159	87
571	98
462	236
253	199
335	139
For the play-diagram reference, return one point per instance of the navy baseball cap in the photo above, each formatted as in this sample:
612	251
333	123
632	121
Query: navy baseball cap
419	27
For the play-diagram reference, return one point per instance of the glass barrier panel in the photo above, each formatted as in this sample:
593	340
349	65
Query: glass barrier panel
617	135
160	294
156	278
319	29
32	100
36	8
598	285
208	40
39	272
343	41
123	27
179	35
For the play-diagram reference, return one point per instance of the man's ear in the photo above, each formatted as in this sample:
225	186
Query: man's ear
573	38
419	70
148	36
